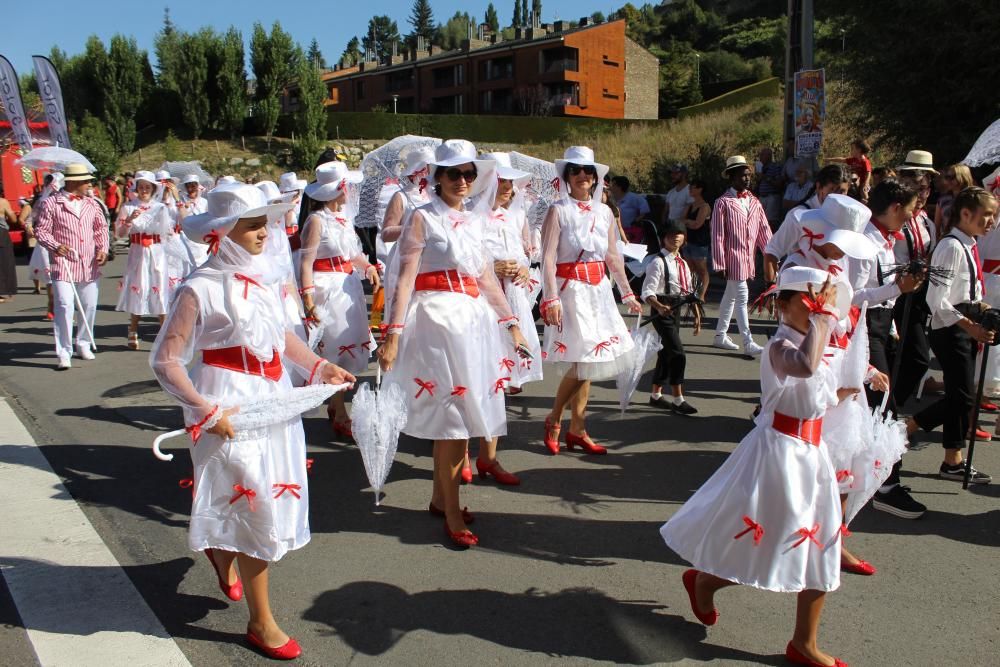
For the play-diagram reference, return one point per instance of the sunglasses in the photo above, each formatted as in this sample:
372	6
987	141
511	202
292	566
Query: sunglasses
588	169
454	173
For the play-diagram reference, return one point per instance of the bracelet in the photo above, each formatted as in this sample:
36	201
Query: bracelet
394	327
548	303
195	429
511	321
626	296
307	290
315	368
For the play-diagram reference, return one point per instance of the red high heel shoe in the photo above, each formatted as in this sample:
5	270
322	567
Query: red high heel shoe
434	510
584	443
862	567
466	474
552	436
501	476
234	592
688	578
793	656
342	429
287	651
465	538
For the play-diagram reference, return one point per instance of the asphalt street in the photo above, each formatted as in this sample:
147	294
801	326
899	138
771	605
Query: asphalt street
571	568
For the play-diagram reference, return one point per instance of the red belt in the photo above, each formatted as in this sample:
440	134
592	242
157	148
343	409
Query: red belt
587	272
807	430
145	239
242	360
991	266
447	281
337	264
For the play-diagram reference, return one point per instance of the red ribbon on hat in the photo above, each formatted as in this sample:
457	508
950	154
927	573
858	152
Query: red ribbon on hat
812	236
756	528
814	306
834	269
995	185
213	239
556	184
423	185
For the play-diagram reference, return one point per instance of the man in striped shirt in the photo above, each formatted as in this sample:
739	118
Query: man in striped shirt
72	227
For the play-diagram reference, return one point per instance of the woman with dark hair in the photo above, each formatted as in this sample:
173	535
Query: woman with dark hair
697	219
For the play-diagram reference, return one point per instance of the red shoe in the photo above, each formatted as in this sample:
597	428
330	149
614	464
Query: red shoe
707	619
552	436
467	516
342	429
466	474
862	567
288	651
513	391
465	538
986	406
501	476
583	442
50	316
234	592
793	656
982	435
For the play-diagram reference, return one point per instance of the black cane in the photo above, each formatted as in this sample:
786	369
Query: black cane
897	363
975	416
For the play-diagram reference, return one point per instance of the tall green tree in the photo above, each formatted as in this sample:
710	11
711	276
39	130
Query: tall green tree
231	80
167	47
274	60
310	116
314	55
491	19
90	137
352	53
191	78
516	20
525	16
379	37
536	10
124	73
456	29
422	21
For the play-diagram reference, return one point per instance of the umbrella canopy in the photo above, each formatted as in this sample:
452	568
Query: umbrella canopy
986	150
888	444
266	411
54	158
179	170
381	164
541	191
379	415
647	344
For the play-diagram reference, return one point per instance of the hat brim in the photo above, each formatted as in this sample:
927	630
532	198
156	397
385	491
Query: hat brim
485	170
511	174
200	225
853	244
844	293
330	191
300	185
725	172
79	177
602	169
917	167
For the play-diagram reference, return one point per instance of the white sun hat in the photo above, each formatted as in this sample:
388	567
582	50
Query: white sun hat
273	194
191	178
163	175
918	161
226	204
583	156
801	278
147	176
841	221
455	152
290	182
504	168
416	160
332	179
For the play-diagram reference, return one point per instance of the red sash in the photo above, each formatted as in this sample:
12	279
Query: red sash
586	272
991	266
447	281
333	264
242	360
807	430
145	239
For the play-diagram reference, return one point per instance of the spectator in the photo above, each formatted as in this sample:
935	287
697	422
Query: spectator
860	165
769	186
679	197
797	190
111	199
698	249
8	270
632	207
879	174
792	163
954	179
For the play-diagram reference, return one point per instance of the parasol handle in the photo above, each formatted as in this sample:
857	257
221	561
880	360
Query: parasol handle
166	436
638	321
378	374
401	189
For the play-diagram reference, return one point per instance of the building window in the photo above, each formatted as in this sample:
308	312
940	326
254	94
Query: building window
448	77
399	81
449	104
609	62
359	90
559	59
500	100
609	96
496	69
564	93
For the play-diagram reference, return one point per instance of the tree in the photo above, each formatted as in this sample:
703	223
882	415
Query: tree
315	56
91	138
167	46
536	11
524	13
378	40
232	82
124	73
451	34
310	116
191	79
274	60
491	19
597	17
678	85
422	21
517	20
352	53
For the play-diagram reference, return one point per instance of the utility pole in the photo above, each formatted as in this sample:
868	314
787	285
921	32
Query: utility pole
798	55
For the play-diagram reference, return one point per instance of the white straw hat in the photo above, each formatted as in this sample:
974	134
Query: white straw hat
191	178
226	204
455	152
733	162
147	176
504	168
583	156
273	194
918	161
74	172
163	175
331	181
290	182
841	221
800	278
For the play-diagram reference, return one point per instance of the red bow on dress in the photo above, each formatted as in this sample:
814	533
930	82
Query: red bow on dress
807	535
583	206
459	390
507	364
240	492
247	281
291	488
456	219
603	346
213	239
423	185
424	386
758	531
499	385
348	349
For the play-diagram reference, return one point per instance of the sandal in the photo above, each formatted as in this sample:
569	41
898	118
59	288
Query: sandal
133	340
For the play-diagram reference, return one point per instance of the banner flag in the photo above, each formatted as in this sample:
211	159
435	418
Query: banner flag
10	96
52	100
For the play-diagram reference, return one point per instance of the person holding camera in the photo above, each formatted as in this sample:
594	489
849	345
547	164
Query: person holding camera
959	322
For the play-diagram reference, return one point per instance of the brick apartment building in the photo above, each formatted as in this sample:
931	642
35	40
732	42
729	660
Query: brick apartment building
590	70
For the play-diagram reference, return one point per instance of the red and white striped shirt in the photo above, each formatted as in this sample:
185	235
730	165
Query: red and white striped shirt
86	234
739	226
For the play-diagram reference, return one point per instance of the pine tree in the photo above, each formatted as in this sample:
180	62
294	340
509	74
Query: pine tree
422	21
352	53
232	83
315	56
378	39
273	59
123	71
536	10
192	76
310	115
166	46
491	19
516	20
525	16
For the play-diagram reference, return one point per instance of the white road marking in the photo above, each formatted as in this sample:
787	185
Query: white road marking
77	604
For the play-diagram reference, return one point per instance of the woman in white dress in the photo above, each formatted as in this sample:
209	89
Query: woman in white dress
770	516
443	348
584	332
251	499
39	263
145	285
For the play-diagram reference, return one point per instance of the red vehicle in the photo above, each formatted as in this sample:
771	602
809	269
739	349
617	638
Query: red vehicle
19	182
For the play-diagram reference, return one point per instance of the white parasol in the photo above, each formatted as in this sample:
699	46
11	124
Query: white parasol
379	417
647	344
266	411
179	170
986	150
54	158
541	191
381	164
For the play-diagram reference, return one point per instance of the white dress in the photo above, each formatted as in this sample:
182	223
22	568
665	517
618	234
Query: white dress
184	255
39	265
450	359
411	197
339	296
593	335
770	516
250	493
506	239
145	285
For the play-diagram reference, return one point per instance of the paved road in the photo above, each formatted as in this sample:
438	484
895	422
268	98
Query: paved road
571	567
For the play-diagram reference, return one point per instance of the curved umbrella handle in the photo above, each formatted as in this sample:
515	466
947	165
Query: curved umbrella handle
166	436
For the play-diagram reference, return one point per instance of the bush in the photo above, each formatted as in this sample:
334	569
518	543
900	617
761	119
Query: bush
92	140
172	148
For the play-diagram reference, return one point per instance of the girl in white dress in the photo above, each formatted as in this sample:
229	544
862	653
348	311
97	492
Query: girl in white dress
145	285
443	348
39	262
250	490
331	290
584	332
770	516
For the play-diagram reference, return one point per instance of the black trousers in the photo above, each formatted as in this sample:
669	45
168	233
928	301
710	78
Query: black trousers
881	347
367	236
915	348
956	350
671	360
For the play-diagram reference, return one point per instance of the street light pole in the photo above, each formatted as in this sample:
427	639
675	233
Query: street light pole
697	70
843	47
395	99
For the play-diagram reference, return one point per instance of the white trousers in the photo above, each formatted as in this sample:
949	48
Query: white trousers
63	308
735	297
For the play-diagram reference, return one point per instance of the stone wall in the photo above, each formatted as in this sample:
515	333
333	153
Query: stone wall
642	82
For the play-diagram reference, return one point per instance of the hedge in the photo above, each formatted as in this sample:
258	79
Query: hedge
768	88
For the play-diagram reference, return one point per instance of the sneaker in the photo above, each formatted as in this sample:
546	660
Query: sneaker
724	343
661	402
684	408
752	349
83	349
957	474
64	364
898	501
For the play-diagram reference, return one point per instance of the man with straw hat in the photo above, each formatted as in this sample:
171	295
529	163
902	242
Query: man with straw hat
72	227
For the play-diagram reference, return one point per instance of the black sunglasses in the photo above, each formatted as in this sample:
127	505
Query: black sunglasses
588	169
454	173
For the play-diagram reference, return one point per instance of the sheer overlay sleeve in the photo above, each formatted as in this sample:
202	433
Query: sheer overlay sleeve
525	260
411	247
392	221
121	229
615	262
801	362
312	230
550	253
302	359
490	288
173	351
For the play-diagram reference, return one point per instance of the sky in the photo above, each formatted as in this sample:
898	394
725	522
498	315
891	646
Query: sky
331	22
